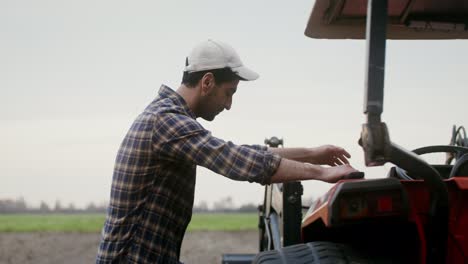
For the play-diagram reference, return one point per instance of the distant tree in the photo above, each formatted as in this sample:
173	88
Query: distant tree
250	207
91	207
13	206
201	207
44	208
71	207
223	205
58	206
20	204
7	206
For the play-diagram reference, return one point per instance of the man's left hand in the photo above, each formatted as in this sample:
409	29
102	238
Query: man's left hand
329	155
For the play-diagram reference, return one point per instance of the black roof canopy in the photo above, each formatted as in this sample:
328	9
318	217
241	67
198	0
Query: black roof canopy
407	19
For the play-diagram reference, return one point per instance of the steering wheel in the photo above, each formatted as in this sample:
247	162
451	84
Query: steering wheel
458	151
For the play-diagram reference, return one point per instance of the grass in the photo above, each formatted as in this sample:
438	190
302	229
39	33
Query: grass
51	222
85	223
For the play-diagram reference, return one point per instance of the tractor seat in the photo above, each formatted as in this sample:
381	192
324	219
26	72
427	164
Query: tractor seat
444	171
460	168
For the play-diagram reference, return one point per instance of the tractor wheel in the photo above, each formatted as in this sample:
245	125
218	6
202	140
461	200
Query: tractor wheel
316	253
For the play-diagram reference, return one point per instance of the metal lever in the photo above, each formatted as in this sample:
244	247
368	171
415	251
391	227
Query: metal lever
274	142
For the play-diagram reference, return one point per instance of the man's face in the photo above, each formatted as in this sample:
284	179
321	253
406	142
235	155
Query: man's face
217	98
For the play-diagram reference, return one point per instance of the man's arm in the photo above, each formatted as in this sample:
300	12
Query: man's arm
290	170
181	139
323	155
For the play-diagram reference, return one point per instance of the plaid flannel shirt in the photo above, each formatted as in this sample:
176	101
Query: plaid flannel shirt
154	180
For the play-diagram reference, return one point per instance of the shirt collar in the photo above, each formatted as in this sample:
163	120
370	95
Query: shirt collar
167	92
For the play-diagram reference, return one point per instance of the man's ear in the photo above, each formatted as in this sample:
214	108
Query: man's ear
207	83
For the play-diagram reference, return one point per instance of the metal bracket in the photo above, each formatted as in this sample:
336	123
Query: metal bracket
375	141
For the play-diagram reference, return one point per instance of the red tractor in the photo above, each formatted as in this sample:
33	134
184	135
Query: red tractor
417	214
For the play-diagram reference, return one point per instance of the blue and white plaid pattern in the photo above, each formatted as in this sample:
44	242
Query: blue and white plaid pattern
154	180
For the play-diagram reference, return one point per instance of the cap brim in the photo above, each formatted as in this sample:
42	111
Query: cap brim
245	73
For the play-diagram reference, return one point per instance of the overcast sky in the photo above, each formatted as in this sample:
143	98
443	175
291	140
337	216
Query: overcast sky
74	75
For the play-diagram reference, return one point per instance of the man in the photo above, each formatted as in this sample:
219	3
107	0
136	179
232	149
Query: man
154	176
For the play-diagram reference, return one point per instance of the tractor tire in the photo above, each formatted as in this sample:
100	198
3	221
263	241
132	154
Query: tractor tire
316	253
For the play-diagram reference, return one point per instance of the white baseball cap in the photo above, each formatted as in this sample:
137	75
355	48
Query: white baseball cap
212	54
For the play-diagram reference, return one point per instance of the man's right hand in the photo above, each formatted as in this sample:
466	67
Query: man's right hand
290	170
336	173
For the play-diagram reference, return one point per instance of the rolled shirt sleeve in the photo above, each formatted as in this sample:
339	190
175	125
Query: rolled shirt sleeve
185	140
257	147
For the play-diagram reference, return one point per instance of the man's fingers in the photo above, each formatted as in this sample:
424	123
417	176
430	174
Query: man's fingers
346	154
340	160
344	160
342	152
337	156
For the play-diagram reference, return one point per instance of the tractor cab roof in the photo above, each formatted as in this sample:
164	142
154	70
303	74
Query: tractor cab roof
407	19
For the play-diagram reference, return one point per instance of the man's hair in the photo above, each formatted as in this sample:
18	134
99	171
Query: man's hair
223	75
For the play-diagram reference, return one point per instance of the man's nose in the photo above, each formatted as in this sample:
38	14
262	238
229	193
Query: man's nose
228	104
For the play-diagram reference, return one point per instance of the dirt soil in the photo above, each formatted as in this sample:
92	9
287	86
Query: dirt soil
77	248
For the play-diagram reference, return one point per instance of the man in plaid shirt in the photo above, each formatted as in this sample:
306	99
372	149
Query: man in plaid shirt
154	175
